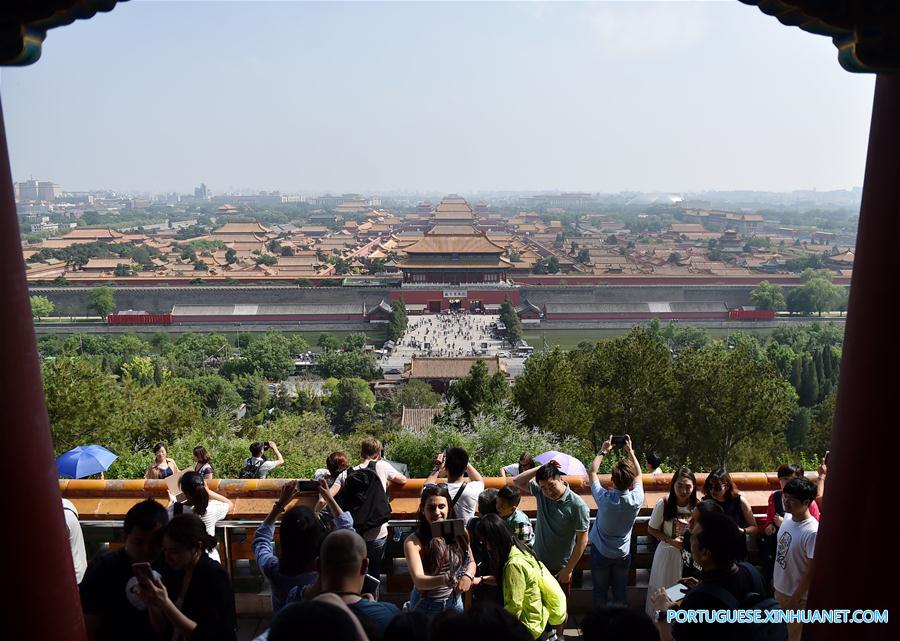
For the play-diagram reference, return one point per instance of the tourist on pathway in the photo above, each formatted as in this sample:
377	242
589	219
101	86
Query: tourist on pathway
463	494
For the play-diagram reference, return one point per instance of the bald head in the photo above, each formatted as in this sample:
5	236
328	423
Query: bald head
342	554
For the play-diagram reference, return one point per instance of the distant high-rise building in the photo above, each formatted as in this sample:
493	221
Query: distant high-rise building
28	190
202	192
48	191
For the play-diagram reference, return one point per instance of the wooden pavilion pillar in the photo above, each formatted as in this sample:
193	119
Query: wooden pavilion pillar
856	560
41	601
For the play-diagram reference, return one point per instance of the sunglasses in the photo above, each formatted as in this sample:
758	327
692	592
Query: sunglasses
717	487
435	486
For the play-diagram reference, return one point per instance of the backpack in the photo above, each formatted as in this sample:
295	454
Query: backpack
756	600
457	514
251	470
363	496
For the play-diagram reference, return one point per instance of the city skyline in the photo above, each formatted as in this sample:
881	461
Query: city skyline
379	98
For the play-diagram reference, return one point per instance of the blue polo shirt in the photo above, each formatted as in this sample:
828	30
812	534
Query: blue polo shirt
616	512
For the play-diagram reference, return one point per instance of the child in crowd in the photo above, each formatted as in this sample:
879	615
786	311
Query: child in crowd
508	499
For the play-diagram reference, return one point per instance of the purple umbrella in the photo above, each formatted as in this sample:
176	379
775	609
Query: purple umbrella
568	465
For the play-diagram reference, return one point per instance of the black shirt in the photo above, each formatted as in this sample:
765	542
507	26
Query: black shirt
737	581
104	593
209	600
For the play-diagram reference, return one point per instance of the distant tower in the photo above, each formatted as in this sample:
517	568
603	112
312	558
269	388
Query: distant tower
202	192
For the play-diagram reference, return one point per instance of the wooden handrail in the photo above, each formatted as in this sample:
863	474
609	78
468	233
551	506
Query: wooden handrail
111	499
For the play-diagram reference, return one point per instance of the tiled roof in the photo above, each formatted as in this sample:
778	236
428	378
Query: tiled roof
449	368
454	244
106	234
241	228
107	263
417	419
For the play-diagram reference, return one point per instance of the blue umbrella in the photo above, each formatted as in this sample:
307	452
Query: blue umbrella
84	460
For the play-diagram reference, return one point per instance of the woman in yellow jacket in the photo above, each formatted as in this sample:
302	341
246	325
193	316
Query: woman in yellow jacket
530	593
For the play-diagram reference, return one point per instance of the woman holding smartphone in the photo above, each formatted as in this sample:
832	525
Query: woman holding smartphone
194	600
441	569
668	522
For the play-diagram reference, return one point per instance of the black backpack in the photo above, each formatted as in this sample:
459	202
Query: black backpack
363	496
759	599
251	470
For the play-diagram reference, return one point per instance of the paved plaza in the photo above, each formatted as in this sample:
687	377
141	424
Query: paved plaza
449	335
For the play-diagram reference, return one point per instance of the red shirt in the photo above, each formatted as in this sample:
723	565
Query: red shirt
770	512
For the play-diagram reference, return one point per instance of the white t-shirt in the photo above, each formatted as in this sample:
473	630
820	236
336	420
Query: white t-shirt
265	468
76	539
215	512
468	501
385	472
796	546
512	469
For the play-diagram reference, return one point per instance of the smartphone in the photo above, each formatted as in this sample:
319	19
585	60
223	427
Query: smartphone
371	585
449	529
307	486
825	458
617	440
181	497
143	572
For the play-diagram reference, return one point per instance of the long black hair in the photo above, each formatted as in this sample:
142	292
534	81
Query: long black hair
499	540
191	483
436	552
670	511
301	534
188	531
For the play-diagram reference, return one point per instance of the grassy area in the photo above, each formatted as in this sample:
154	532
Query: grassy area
569	338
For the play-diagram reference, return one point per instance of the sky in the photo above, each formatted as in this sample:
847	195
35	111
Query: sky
375	97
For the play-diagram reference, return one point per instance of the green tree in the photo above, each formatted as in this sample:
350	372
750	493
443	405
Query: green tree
215	393
511	320
139	370
550	394
799	301
339	364
267	259
629	383
328	342
102	301
768	296
416	394
479	391
271	355
726	399
84	403
122	270
809	386
397	321
253	392
351	403
354	342
41	306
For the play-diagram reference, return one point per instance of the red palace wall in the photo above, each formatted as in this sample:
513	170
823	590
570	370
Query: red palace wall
664	280
486	296
639	315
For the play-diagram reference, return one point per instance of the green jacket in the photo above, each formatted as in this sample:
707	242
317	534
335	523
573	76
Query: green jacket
531	594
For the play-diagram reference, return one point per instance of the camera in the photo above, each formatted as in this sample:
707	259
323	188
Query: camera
265	445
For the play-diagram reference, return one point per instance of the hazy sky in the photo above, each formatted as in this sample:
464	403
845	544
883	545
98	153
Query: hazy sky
462	96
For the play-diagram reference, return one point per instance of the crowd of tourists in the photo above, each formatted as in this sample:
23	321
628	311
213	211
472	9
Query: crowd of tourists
478	565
